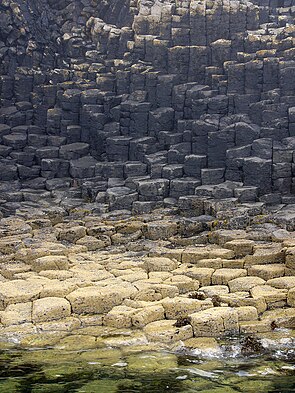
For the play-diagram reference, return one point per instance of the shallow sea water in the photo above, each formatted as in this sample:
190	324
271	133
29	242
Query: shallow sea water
111	370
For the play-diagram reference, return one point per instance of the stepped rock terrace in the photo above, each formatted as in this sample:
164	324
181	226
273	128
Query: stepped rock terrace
146	172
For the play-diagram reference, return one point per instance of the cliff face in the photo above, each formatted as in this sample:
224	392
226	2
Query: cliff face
171	97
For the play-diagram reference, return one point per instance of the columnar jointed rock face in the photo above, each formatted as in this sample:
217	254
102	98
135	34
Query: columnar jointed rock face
171	98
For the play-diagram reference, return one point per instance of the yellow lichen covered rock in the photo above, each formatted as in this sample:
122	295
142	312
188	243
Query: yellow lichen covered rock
166	331
215	322
94	300
50	308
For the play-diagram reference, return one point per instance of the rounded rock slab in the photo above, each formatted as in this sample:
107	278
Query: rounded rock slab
160	264
50	308
94	300
165	331
243	284
18	291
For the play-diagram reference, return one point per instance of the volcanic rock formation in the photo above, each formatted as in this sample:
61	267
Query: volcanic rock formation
133	102
113	109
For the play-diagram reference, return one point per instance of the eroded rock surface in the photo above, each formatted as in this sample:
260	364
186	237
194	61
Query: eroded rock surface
155	290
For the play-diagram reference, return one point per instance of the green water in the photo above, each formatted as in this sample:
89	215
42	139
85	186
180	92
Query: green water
111	371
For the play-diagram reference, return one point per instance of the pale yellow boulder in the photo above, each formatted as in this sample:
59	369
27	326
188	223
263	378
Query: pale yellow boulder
160	264
290	258
267	272
212	263
147	315
40	250
93	273
10	270
282	318
269	293
233	263
94	300
166	332
215	321
178	307
193	255
92	243
51	262
265	255
167	253
241	247
214	290
50	308
136	276
160	276
67	324
253	327
119	317
18	291
221	253
287	282
247	313
223	276
244	284
183	283
56	288
242	299
16	314
154	291
201	274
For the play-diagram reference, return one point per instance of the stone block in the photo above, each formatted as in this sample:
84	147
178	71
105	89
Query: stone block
121	198
94	300
267	272
180	307
50	262
257	172
49	309
161	119
291	297
73	151
119	317
241	247
224	276
172	171
147	315
212	176
193	164
160	264
270	294
153	188
166	332
245	284
18	291
83	167
15	140
16	314
215	322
